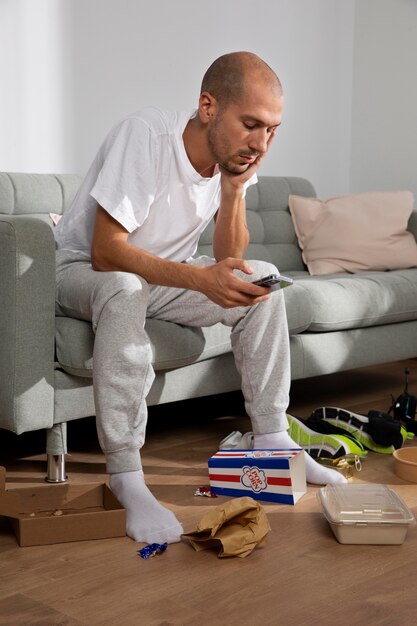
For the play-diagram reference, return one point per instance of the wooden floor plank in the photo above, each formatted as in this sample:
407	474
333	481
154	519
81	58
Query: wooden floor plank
19	610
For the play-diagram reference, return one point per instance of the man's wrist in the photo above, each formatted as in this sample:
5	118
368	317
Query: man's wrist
232	193
193	275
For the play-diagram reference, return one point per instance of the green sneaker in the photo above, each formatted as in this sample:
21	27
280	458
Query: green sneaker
377	432
320	445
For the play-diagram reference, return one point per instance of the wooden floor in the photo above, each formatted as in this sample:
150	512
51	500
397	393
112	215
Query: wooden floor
302	576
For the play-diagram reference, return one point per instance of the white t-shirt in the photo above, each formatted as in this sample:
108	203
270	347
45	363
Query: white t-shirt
143	178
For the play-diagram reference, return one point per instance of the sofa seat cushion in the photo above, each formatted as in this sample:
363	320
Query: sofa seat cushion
344	301
172	345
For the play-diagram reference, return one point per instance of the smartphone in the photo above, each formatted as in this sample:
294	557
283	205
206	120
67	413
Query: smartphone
274	282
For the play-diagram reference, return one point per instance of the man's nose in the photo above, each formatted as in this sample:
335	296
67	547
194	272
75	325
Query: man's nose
259	141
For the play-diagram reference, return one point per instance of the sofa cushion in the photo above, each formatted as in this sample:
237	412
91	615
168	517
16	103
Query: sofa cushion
343	301
356	233
36	194
172	345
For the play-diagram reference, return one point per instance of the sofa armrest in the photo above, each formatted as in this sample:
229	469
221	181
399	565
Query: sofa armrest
27	323
412	224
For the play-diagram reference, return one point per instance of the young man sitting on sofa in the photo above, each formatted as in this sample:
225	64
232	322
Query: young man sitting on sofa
125	252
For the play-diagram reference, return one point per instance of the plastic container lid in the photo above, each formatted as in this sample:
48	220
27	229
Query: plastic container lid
363	503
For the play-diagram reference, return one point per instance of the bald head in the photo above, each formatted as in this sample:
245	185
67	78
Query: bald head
226	79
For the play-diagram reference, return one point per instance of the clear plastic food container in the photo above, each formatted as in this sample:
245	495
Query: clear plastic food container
365	513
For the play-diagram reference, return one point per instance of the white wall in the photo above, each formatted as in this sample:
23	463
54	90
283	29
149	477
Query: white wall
129	54
69	70
74	68
384	99
36	85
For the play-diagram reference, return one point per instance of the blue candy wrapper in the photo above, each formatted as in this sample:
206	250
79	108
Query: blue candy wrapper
153	549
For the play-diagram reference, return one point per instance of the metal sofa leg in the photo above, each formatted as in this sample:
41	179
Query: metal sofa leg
56	469
56	448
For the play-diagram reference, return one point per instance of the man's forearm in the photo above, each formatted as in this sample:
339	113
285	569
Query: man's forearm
111	251
217	281
124	257
231	235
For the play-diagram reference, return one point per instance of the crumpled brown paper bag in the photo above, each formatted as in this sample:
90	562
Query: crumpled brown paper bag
236	528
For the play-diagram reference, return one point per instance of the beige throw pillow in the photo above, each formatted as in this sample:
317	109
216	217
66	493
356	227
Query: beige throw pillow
55	217
363	231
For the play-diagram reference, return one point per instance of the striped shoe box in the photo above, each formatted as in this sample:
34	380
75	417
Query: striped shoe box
270	475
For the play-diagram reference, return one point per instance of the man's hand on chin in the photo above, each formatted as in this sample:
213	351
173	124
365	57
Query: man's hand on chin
237	180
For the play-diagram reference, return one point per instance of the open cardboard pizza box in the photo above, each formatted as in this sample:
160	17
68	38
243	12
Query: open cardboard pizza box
60	513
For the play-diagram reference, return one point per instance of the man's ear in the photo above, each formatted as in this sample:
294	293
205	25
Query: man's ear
207	107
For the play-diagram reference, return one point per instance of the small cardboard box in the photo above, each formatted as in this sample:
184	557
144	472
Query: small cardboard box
60	513
270	475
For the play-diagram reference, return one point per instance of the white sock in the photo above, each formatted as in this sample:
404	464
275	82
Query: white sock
315	473
147	520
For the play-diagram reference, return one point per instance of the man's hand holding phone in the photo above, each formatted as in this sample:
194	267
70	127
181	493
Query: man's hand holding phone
274	282
222	285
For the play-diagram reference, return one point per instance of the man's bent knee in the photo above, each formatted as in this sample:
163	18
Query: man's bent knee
260	270
122	290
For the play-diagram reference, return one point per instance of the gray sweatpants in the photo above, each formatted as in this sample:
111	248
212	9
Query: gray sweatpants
117	304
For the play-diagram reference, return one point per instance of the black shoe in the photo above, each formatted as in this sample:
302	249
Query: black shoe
377	431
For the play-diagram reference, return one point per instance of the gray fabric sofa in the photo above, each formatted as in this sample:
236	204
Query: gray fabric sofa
336	322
